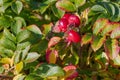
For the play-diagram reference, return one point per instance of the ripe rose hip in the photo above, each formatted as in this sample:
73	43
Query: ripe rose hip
63	25
73	36
74	20
66	16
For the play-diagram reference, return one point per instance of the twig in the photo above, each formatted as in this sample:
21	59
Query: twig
2	76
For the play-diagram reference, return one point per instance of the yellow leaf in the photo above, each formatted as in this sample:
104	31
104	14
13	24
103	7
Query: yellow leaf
18	67
5	60
52	58
19	77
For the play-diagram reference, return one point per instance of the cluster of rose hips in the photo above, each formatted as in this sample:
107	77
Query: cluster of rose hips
66	25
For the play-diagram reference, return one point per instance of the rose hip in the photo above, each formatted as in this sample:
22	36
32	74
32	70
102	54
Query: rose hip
74	20
73	36
63	25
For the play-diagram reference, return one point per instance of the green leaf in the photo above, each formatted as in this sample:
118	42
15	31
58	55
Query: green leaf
33	77
25	52
116	16
79	2
6	52
17	56
112	48
44	7
5	21
49	70
87	38
116	32
113	10
20	19
99	25
98	8
70	7
4	6
1	69
58	13
23	35
97	42
31	57
7	43
18	67
17	7
1	2
109	8
17	25
9	35
23	45
40	47
47	28
102	57
34	29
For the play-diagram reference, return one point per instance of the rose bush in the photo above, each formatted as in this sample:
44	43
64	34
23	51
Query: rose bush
59	39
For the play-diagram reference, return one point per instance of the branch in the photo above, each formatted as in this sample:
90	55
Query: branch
2	76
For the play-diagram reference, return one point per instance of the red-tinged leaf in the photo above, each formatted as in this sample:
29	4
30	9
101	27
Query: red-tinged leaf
53	41
112	48
97	42
56	28
109	27
51	56
71	72
61	4
115	48
47	28
116	32
87	38
34	29
99	25
116	61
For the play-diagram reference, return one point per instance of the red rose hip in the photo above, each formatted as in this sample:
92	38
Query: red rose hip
73	36
74	20
66	16
63	25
